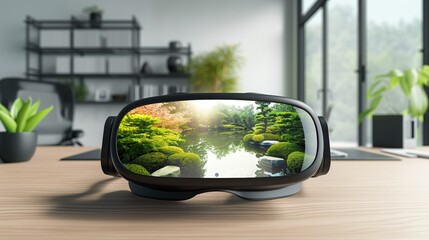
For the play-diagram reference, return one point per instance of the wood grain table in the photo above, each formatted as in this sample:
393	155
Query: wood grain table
50	199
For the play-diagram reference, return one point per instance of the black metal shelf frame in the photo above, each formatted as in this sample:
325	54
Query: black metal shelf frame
135	51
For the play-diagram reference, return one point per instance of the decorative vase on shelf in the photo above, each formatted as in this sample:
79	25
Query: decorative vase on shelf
174	46
94	13
95	19
175	64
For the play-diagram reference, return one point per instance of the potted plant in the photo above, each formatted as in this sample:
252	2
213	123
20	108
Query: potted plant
398	129
94	13
216	71
19	141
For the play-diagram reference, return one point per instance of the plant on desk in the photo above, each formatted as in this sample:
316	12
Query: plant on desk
19	141
411	82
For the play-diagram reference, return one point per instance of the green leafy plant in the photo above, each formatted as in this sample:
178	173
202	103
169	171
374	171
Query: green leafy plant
170	150
92	9
151	161
22	116
190	164
135	168
283	149
258	138
216	71
294	161
410	81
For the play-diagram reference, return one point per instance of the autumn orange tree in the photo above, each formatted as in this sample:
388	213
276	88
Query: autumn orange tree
168	115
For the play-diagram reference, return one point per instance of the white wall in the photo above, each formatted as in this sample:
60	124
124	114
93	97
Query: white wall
261	27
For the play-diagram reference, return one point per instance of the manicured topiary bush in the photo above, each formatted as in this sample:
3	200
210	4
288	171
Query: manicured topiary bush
151	161
283	149
271	136
258	131
136	168
189	163
170	150
248	137
258	138
294	161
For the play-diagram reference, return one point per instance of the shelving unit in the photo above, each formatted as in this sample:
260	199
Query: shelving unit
58	50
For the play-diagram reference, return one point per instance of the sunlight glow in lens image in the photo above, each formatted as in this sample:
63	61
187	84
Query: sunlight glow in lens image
216	139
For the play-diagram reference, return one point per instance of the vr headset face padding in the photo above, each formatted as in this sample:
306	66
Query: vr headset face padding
326	161
106	157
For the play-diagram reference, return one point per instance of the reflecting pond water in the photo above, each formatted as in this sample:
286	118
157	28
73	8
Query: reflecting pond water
225	155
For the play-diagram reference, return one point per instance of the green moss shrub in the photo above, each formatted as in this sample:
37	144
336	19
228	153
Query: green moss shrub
170	150
190	164
283	149
139	134
258	138
271	136
248	137
294	161
136	168
151	161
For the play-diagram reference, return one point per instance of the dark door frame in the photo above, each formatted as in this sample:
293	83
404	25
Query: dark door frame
425	51
302	20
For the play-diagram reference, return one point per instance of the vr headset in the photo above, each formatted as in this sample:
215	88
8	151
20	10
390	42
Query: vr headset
252	145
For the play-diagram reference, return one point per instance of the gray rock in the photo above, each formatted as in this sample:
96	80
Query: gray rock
268	143
272	162
167	171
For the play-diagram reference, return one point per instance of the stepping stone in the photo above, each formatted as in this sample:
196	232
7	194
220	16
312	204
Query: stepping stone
167	171
272	162
268	143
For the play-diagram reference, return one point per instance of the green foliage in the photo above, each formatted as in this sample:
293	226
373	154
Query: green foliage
190	164
216	71
248	137
258	138
170	150
136	168
23	116
232	118
283	149
289	125
138	135
92	9
79	88
294	161
262	117
151	161
411	82
270	136
231	127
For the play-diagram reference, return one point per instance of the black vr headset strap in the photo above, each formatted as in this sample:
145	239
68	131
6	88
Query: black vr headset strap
106	158
326	161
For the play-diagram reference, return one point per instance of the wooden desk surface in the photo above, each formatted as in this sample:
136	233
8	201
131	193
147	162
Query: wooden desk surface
51	199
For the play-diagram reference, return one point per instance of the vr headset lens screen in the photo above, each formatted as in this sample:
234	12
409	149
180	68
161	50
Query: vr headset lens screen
217	139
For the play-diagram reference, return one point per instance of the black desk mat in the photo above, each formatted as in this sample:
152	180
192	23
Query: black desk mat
89	155
353	154
361	155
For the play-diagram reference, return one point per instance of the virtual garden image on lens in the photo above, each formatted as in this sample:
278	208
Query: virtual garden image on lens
217	139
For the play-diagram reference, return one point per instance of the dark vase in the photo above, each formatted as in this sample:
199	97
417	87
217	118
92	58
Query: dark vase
95	20
175	64
174	46
17	147
394	131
